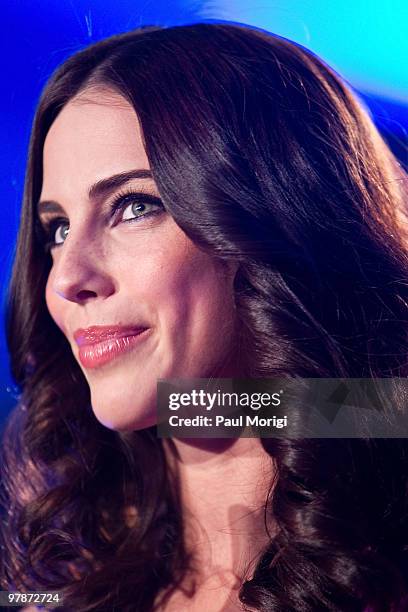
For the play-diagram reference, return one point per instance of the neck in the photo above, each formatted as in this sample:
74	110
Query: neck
224	485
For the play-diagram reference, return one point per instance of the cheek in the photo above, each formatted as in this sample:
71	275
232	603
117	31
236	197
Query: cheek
193	299
54	304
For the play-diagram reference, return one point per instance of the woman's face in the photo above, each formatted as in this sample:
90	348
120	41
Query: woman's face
119	271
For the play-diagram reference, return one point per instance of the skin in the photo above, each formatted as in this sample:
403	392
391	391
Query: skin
223	492
149	271
127	273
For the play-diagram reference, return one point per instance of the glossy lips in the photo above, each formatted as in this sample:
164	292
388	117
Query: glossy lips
99	345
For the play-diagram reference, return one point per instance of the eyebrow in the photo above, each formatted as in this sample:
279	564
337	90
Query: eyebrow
101	188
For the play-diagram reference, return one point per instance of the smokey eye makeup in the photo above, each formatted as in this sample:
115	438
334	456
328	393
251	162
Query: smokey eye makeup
127	206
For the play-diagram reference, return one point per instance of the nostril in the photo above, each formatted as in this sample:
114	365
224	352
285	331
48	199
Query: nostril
80	285
85	294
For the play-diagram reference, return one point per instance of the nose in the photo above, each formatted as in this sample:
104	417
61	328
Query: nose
80	273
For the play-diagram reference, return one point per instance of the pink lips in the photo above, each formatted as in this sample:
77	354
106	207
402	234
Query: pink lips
100	344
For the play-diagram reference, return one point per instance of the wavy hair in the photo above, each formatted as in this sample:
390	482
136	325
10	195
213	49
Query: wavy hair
263	156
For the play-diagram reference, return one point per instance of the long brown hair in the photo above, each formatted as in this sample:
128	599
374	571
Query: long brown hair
263	156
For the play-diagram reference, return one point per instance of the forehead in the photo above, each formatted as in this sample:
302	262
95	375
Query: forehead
94	135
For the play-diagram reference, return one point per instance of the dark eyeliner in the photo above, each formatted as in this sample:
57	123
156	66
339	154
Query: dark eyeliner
45	231
124	198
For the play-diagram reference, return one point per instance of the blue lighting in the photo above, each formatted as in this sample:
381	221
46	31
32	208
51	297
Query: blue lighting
366	41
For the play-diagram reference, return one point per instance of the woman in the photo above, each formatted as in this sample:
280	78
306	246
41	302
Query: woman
206	200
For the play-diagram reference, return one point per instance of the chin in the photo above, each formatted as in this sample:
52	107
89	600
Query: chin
124	412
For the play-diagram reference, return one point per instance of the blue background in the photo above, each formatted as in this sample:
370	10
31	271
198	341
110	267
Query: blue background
366	41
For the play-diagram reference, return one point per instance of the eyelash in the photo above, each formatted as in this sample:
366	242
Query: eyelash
46	231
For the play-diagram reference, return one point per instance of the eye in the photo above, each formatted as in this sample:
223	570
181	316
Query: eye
135	205
52	232
127	207
136	209
61	233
